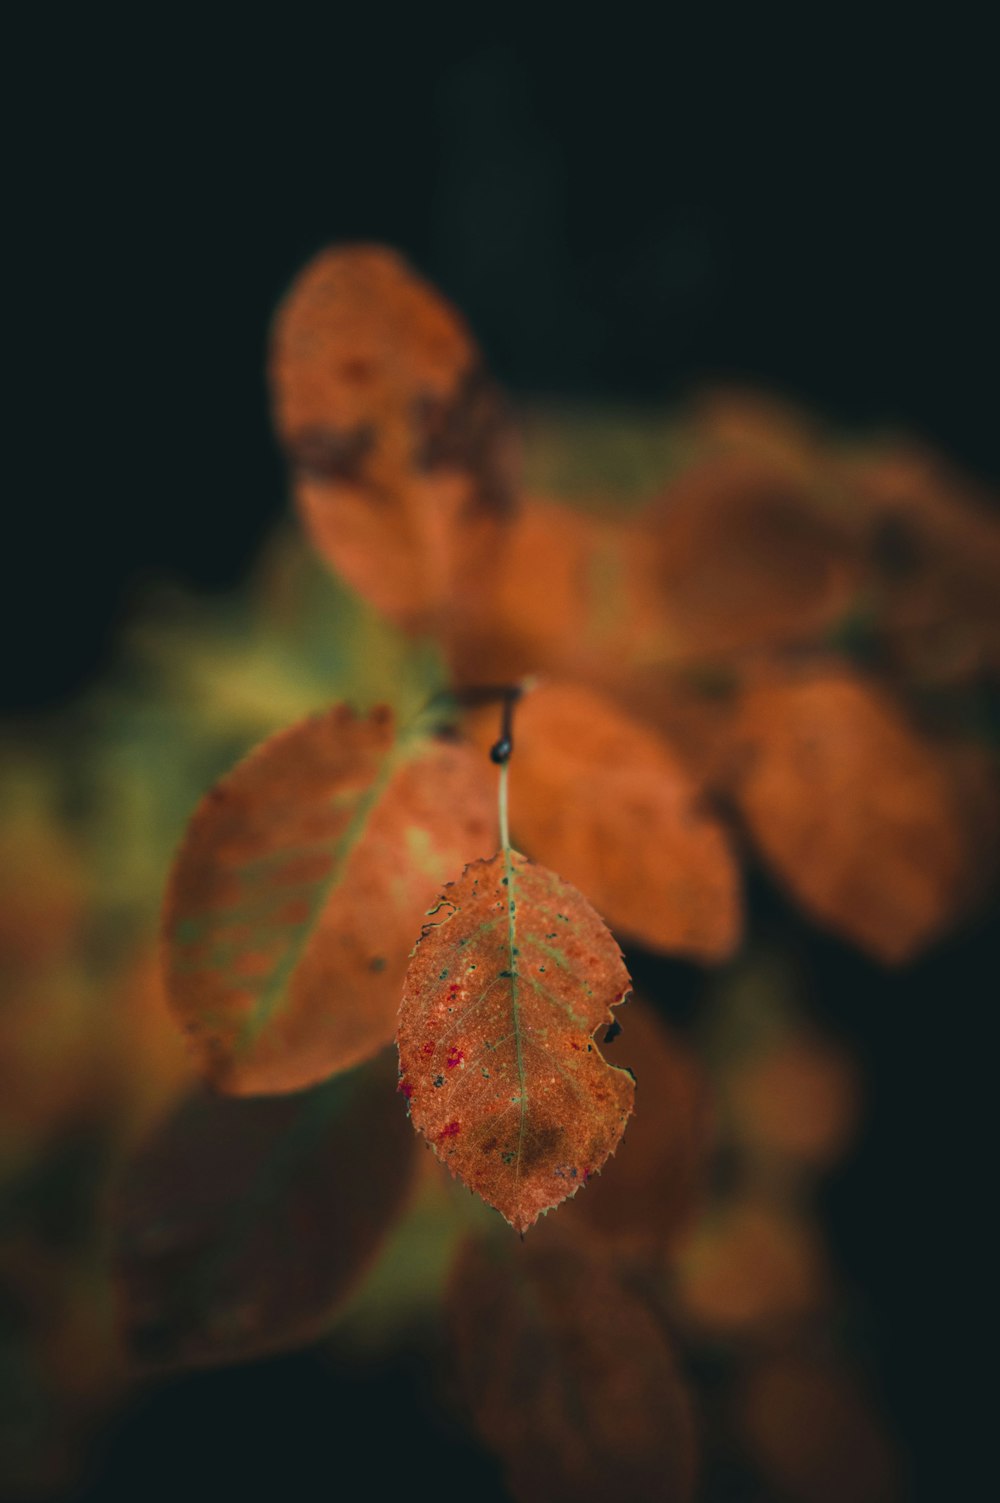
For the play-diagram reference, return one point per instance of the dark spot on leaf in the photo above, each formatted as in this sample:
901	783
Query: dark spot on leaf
332	453
377	963
439	1080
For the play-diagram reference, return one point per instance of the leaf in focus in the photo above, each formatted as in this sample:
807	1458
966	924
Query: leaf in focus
853	810
402	455
242	1226
660	1169
496	1057
568	1377
603	801
301	882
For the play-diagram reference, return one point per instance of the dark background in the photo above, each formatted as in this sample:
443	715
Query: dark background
620	212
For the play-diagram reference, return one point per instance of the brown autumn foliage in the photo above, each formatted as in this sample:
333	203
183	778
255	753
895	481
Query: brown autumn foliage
742	560
497	1063
649	1196
302	881
568	1376
809	1430
605	802
855	811
402	459
311	1184
749	1266
740	664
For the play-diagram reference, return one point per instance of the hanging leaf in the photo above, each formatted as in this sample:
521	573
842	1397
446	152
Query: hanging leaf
301	882
402	455
242	1226
568	1377
496	1054
854	811
602	800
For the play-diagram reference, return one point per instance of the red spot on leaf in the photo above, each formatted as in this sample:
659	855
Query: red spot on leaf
449	1130
455	1057
428	1048
406	1088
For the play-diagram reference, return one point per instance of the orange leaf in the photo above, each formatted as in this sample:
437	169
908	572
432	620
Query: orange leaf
568	594
853	810
298	890
744	559
400	447
660	1168
602	800
569	1378
496	1058
242	1226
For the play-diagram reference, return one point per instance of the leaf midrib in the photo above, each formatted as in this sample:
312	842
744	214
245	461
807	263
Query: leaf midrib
515	1004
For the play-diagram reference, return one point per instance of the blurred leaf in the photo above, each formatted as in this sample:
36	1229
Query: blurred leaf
242	1226
933	541
603	801
744	558
402	456
660	1167
496	1059
568	1377
568	594
854	811
798	1101
813	1434
749	1268
300	886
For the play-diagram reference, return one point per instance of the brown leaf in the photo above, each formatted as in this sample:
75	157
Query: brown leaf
599	798
749	1267
853	811
568	1378
813	1434
242	1226
300	886
744	558
660	1168
566	595
797	1102
934	546
400	445
496	1057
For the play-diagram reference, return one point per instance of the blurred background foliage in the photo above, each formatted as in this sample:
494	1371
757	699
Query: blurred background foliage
804	208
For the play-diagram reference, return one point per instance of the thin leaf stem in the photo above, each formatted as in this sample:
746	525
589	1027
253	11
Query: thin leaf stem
504	826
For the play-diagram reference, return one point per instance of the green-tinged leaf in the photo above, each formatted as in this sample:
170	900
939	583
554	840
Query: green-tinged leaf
300	886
